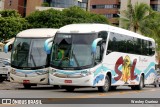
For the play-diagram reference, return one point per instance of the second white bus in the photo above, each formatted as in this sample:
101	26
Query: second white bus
29	61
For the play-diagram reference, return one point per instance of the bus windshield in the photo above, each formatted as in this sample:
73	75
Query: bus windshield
29	53
72	51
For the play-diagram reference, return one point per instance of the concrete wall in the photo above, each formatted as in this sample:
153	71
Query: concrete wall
31	6
124	3
1	4
11	4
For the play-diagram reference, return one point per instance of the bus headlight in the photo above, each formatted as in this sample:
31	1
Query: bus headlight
41	72
86	73
52	71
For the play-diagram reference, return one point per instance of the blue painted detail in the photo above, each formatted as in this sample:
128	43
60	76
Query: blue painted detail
6	48
48	45
48	49
147	71
104	69
113	81
94	44
152	64
137	78
98	70
150	71
120	67
31	71
98	78
71	72
137	71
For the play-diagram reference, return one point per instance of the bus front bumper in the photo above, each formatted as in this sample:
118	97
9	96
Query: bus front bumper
40	79
82	81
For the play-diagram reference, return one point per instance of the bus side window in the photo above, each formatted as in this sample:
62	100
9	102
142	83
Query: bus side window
138	46
145	47
151	48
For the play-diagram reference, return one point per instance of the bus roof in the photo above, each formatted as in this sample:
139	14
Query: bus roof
36	33
94	28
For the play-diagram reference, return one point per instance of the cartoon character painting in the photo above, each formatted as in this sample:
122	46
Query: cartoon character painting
126	69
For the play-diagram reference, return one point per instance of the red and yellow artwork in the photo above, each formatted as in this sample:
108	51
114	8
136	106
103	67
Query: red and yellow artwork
128	68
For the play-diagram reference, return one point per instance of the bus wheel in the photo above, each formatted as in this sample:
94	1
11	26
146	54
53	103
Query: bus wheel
27	86
69	88
56	87
1	80
133	87
141	84
106	86
155	85
113	87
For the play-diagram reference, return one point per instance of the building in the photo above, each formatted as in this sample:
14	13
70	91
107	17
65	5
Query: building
108	8
25	7
61	4
155	4
1	4
124	3
112	8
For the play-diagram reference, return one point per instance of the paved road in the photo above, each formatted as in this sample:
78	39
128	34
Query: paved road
5	55
50	92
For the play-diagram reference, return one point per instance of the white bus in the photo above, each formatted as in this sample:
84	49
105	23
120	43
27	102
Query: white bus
103	56
29	60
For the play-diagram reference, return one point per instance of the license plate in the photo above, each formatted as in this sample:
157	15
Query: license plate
67	81
26	81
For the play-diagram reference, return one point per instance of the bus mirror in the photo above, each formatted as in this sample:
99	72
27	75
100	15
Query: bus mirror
94	44
48	45
8	46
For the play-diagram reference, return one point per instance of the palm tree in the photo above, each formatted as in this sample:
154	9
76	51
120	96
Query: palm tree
142	19
135	16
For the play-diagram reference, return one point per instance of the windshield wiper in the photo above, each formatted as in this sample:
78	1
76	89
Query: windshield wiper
33	60
75	59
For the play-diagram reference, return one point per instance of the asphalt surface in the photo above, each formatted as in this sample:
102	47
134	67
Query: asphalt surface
5	55
72	98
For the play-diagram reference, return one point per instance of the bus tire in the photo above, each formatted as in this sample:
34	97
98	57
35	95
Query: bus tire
1	80
27	86
69	88
141	83
56	87
113	87
155	85
106	86
133	87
